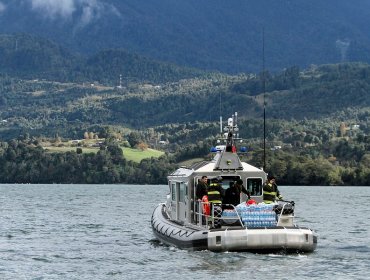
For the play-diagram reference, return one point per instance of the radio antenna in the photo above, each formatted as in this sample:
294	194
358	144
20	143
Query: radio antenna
220	116
264	98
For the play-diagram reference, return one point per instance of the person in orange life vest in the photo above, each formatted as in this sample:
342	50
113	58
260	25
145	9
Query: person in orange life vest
201	195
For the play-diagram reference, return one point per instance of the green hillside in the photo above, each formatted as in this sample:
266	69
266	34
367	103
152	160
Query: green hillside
317	119
29	57
339	92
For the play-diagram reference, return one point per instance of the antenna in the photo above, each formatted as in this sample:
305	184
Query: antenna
264	98
220	116
120	81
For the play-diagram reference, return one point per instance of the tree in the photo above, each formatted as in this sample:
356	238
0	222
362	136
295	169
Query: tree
142	146
134	138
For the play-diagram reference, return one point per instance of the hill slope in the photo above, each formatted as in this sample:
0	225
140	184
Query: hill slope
207	34
337	92
32	57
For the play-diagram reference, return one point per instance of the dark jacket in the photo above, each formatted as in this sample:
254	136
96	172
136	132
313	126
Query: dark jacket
201	190
232	196
242	189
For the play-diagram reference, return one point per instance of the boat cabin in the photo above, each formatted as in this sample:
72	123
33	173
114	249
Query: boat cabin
182	202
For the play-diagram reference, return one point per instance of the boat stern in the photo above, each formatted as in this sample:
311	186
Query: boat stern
292	239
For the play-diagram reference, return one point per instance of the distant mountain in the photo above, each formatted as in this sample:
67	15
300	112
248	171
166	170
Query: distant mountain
207	34
31	57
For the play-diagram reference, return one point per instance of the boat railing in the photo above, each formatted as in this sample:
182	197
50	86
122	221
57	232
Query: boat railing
215	218
284	208
209	215
234	219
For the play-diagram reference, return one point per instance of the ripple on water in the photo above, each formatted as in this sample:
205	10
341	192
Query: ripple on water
87	232
359	249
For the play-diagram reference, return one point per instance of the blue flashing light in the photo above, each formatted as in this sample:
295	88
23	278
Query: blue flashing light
213	150
243	149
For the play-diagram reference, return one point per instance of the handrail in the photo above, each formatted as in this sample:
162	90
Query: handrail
281	213
237	214
282	209
212	217
207	221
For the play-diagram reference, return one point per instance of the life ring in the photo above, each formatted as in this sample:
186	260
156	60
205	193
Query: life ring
205	205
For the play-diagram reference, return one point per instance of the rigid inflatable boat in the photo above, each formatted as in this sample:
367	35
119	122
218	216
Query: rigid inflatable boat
182	220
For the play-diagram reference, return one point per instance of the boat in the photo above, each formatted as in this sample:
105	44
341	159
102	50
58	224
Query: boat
186	222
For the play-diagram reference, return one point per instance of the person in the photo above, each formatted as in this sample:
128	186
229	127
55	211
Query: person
201	188
232	194
242	189
215	192
215	195
270	191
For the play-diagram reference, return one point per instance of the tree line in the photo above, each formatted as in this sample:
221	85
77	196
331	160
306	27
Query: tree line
24	161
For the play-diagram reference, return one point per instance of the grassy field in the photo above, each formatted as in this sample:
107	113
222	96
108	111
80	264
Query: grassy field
138	155
69	149
130	154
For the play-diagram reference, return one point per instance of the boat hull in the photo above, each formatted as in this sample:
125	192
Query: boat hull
286	239
174	234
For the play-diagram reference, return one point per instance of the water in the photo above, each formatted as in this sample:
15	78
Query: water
103	232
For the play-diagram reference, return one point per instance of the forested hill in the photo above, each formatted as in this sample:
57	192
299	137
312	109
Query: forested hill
317	116
48	90
31	57
209	34
338	93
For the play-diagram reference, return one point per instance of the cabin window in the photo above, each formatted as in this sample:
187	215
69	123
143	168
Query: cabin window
173	191
254	186
228	181
182	192
186	189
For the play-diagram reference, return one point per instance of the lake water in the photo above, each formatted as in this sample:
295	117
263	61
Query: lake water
103	232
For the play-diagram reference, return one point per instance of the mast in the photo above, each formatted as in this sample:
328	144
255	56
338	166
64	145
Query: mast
220	116
264	99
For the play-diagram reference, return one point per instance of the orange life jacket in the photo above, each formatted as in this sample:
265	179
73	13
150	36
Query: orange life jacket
206	206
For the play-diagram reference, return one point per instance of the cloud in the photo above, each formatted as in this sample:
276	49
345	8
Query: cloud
90	11
53	9
81	11
342	46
